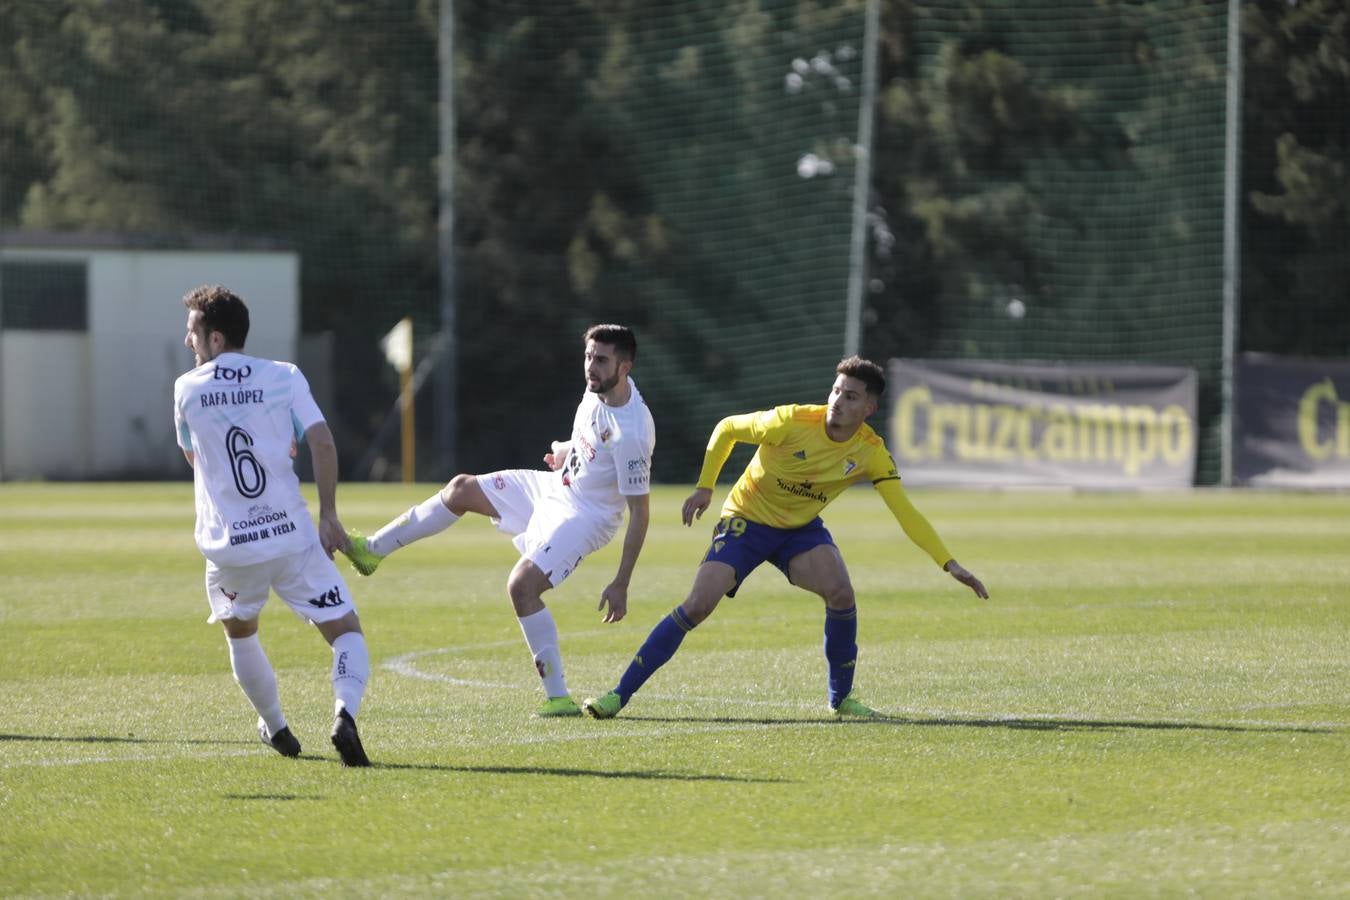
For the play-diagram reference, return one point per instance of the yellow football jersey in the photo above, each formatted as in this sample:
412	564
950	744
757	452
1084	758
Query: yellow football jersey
798	470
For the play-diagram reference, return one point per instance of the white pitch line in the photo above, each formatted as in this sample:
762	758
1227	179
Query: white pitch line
606	732
157	757
403	664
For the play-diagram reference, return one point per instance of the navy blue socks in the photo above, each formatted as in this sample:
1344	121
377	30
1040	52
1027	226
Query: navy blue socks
655	652
841	650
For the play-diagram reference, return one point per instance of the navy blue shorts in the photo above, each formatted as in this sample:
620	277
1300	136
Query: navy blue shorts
743	545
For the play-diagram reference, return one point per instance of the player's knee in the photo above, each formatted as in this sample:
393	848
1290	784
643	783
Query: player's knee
516	588
336	628
239	628
524	592
453	495
839	596
698	607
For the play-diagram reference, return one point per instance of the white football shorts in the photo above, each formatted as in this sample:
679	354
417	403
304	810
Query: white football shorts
544	525
308	582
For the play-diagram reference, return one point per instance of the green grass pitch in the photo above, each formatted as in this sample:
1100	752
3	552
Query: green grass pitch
1155	701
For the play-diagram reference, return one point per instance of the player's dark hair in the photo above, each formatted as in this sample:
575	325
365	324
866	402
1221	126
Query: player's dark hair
221	311
866	371
617	336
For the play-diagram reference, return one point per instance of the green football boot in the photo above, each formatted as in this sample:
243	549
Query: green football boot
853	708
361	558
555	707
606	707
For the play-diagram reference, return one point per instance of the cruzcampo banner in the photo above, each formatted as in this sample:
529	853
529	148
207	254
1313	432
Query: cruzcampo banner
994	424
1293	422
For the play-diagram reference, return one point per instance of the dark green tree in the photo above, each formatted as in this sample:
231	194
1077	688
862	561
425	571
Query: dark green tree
1296	178
687	169
1052	191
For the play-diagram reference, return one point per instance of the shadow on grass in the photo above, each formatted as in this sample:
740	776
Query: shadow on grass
270	797
1100	725
563	772
1013	723
114	739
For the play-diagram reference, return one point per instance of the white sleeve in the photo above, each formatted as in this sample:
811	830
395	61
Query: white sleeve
180	419
633	462
304	411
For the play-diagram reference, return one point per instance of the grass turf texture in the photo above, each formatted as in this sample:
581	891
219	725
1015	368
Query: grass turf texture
1154	701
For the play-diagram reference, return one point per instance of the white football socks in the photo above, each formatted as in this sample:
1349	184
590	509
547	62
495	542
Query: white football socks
256	678
425	519
351	671
541	634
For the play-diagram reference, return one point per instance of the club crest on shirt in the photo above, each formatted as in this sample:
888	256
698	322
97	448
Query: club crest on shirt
849	466
604	436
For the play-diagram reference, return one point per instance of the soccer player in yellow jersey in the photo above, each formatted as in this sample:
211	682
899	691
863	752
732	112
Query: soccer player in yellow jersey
807	456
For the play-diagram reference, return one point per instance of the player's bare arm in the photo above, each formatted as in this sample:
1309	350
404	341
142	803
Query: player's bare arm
323	452
695	505
615	596
959	572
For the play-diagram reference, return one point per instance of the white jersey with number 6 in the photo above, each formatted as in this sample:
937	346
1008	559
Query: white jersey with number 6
241	417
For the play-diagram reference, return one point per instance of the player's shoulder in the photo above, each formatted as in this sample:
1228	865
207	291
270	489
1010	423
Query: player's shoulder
637	409
185	379
276	372
279	366
870	441
868	435
806	413
191	378
638	424
794	417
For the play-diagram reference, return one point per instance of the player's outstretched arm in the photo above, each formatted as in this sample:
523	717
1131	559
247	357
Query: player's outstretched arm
961	574
615	595
695	505
922	533
753	428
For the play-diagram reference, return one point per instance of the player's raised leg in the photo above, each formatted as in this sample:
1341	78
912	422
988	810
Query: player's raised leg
711	583
432	516
821	570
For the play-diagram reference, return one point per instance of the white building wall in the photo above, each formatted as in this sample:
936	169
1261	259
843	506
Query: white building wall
44	399
123	390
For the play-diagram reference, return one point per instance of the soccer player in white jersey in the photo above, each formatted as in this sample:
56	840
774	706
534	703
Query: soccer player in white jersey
239	418
557	517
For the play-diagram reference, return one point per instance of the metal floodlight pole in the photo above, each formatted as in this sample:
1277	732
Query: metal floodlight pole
3	460
447	412
862	182
1232	260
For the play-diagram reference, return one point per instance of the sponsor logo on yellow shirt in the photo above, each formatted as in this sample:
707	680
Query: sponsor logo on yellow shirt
802	489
